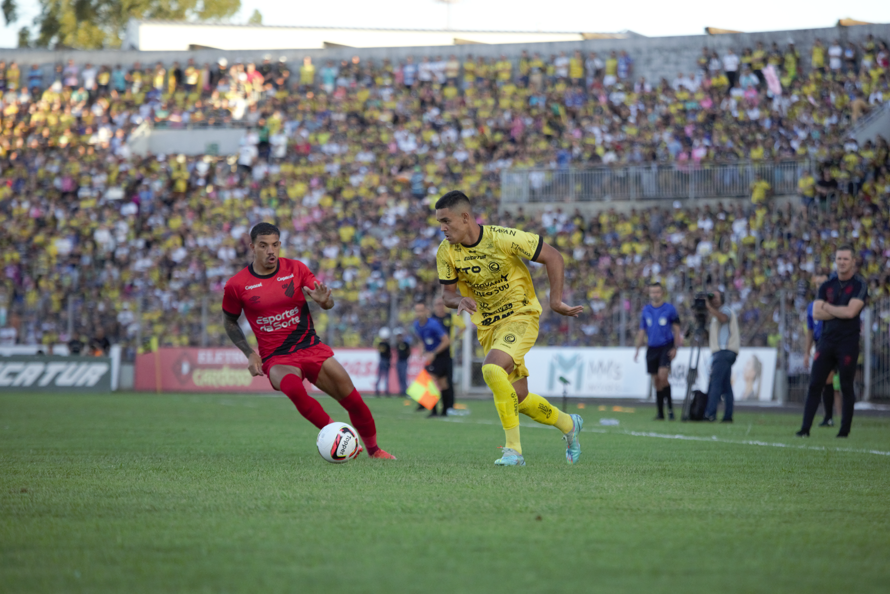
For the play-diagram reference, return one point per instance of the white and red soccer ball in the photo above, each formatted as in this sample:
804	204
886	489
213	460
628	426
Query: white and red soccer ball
338	443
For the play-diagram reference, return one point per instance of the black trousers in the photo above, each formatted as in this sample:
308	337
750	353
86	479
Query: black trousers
732	77
830	355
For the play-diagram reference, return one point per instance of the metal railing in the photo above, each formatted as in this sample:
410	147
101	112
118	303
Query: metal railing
648	182
872	116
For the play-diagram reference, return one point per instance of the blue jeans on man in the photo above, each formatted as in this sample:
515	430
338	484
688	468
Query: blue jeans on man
402	372
721	384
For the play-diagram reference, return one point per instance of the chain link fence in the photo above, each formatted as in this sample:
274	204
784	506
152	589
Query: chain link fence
648	182
132	322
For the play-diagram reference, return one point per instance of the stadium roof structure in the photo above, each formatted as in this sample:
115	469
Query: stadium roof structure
164	35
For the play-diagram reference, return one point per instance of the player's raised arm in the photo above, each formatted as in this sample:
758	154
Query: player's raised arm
553	262
321	294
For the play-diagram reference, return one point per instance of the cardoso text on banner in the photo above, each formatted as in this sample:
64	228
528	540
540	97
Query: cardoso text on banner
225	370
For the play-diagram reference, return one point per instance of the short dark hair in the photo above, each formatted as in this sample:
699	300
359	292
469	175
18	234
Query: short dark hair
655	284
845	247
452	199
263	229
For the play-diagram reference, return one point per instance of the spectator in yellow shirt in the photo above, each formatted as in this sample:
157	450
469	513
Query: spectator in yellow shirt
806	187
307	72
818	56
576	68
760	189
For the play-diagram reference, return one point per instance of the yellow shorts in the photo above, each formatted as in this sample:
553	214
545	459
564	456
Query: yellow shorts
515	336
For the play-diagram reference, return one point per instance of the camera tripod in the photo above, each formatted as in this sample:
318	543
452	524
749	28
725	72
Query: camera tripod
692	370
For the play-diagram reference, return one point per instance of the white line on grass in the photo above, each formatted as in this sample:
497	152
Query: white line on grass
711	439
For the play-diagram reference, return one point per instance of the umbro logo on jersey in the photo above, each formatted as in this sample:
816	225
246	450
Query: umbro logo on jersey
249	287
284	278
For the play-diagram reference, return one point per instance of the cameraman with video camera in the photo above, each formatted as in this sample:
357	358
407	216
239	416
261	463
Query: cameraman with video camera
724	342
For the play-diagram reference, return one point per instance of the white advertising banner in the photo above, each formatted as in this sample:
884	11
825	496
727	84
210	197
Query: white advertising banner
613	373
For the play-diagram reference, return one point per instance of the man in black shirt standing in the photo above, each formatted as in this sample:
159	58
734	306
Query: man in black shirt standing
444	317
385	350
403	350
838	304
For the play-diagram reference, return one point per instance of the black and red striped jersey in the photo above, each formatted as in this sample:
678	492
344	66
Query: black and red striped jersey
275	306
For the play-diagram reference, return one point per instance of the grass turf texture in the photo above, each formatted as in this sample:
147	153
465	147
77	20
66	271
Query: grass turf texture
196	493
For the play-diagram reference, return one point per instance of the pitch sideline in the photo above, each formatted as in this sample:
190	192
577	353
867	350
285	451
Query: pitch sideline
712	439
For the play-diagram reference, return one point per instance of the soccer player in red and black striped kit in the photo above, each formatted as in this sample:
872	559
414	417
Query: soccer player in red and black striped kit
273	293
838	304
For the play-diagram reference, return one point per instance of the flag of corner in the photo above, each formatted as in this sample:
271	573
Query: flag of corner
424	390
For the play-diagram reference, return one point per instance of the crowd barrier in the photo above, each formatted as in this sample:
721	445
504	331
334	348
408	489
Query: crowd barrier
649	182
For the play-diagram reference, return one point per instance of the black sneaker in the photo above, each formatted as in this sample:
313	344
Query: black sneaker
827	423
658	418
844	435
671	415
726	421
802	433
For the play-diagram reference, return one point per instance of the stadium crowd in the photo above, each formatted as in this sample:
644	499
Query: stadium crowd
347	157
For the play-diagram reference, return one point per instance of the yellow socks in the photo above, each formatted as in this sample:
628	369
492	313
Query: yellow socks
543	412
506	401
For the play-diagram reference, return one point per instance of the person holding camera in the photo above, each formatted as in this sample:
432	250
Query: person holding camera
724	342
661	323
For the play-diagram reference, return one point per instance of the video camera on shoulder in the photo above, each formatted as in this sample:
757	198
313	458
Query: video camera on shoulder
700	306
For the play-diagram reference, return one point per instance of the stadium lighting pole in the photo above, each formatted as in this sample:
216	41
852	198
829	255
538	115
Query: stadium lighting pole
466	377
448	3
204	312
622	340
867	353
781	384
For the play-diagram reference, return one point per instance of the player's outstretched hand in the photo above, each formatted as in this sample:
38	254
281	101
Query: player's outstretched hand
571	311
466	304
255	364
320	294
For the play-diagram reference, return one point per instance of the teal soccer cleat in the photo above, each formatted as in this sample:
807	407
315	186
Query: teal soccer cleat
573	446
510	457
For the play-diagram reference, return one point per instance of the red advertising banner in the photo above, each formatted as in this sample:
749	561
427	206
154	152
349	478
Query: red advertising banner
225	370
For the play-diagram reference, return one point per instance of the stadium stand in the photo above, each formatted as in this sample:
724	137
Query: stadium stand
350	153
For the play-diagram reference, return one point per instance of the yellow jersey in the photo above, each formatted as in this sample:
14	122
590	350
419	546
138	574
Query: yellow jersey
492	272
759	190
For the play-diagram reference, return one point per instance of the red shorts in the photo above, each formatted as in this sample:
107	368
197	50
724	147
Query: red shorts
309	361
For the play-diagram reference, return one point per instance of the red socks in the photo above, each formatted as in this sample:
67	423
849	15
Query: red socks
293	387
359	414
361	419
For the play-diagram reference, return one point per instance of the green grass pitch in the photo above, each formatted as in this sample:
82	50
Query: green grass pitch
213	493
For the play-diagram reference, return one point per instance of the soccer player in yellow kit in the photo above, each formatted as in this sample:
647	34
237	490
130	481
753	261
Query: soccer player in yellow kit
481	272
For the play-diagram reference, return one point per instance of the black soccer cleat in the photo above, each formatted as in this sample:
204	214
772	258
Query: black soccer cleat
802	433
844	435
827	423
